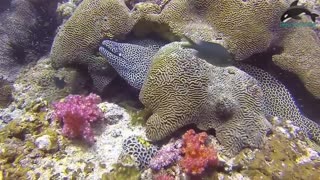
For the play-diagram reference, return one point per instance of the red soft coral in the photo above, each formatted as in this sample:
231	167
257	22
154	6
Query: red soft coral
197	156
77	112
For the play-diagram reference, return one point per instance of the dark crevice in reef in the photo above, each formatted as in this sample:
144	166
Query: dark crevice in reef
143	29
306	102
27	29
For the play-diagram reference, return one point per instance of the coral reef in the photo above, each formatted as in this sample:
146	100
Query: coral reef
77	113
166	156
279	102
38	82
5	93
182	89
196	155
78	160
122	172
285	156
140	150
246	27
300	56
77	41
19	139
131	60
26	33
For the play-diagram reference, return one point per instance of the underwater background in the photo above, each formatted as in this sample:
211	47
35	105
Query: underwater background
159	89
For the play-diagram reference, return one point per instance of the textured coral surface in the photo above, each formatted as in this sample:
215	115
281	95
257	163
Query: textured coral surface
182	89
78	39
301	56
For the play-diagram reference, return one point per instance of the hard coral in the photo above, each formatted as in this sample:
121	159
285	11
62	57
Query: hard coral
77	41
301	56
183	89
77	113
197	156
247	27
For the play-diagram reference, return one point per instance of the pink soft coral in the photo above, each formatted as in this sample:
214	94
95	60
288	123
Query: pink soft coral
197	156
77	113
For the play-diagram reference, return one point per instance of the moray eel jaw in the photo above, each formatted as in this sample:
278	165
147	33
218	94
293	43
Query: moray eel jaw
115	55
132	59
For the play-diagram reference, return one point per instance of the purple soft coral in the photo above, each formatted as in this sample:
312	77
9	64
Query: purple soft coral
166	156
77	112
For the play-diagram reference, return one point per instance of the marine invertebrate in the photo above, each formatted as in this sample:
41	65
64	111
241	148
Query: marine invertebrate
197	156
301	56
131	60
140	150
77	113
77	41
279	102
182	89
246	27
166	156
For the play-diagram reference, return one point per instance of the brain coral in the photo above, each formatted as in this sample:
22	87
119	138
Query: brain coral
278	102
301	56
247	27
77	41
182	89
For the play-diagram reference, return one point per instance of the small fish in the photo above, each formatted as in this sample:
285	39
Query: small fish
213	53
59	82
295	11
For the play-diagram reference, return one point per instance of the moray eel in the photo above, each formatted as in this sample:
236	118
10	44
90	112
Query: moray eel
279	102
131	60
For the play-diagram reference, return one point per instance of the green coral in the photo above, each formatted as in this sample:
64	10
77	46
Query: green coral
278	159
182	89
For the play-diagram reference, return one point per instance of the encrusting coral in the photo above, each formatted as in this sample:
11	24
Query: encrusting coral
182	89
279	102
77	41
77	113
